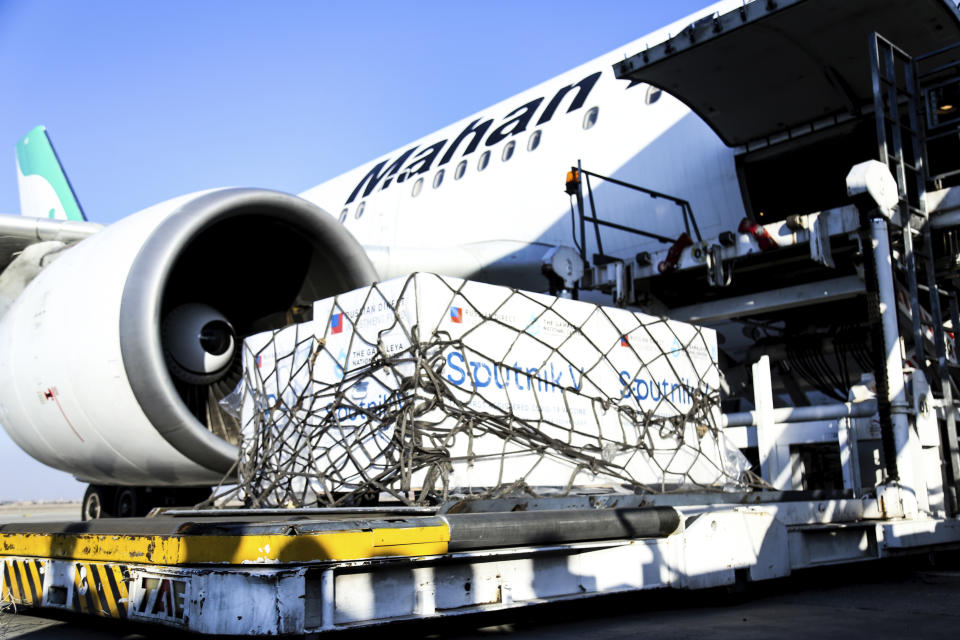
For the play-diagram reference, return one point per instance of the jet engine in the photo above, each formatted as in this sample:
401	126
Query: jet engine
116	355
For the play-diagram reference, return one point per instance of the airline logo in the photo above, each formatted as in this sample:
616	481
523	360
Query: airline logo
336	323
259	361
456	314
416	160
624	341
45	191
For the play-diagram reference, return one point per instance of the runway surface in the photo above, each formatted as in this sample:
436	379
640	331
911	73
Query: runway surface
39	511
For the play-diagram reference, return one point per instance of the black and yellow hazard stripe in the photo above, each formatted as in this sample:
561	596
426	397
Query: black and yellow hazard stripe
100	589
22	581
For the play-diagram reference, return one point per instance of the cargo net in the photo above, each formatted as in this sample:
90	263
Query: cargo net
423	389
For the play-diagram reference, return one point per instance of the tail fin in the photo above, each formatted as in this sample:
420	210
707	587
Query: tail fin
45	191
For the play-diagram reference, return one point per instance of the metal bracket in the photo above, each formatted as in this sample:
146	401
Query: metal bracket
717	276
623	284
698	251
820	250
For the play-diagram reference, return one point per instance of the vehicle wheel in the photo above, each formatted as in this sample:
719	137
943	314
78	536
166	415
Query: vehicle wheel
128	503
96	502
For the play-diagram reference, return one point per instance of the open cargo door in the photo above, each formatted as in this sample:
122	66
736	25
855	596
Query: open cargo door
773	66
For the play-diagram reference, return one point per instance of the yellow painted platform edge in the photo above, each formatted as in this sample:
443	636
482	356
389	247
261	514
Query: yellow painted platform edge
175	550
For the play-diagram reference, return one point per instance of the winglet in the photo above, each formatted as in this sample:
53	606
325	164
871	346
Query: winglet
45	190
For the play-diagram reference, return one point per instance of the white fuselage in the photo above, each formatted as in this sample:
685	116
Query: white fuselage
485	222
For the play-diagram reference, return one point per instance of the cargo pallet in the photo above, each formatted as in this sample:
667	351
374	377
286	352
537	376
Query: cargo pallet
271	573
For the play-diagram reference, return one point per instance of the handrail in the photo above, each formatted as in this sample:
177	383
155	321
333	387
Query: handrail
581	175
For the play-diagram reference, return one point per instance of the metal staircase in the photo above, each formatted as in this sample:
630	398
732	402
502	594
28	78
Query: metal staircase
901	97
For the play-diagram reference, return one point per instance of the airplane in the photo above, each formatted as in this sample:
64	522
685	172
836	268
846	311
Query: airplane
158	303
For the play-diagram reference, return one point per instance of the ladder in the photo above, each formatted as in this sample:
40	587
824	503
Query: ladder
901	144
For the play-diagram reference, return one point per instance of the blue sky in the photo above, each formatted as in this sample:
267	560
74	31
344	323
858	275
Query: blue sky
148	100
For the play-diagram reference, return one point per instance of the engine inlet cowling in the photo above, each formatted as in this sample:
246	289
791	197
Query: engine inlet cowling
223	266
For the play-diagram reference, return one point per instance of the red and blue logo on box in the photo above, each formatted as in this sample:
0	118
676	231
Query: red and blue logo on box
336	323
456	314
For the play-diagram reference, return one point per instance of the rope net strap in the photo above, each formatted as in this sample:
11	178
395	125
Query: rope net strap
427	387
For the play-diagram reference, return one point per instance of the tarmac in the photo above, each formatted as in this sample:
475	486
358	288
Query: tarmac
39	511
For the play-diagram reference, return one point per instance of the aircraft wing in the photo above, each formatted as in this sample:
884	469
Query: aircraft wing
19	232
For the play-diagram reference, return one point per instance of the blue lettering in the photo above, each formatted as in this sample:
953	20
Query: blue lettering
573	379
534	371
646	389
625	381
477	366
555	378
496	378
516	374
463	374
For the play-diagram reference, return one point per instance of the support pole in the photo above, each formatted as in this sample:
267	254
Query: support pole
328	599
893	363
774	459
583	221
805	414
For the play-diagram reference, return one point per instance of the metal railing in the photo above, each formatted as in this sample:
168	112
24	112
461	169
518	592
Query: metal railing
579	176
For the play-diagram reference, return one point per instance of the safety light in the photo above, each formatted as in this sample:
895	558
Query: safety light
573	182
945	99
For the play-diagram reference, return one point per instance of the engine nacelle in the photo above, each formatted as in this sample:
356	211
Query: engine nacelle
115	355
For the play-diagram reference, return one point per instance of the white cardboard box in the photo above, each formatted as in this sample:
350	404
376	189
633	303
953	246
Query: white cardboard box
510	386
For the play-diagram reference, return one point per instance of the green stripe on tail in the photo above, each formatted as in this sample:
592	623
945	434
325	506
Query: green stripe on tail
45	191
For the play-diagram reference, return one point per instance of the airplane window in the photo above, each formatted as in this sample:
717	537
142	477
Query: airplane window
590	118
417	186
360	208
534	140
461	169
653	94
438	179
343	215
483	161
508	150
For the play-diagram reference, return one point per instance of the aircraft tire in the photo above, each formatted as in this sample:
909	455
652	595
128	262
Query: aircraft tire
98	502
128	503
102	501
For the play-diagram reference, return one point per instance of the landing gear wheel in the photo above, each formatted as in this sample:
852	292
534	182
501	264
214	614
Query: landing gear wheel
128	502
97	502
